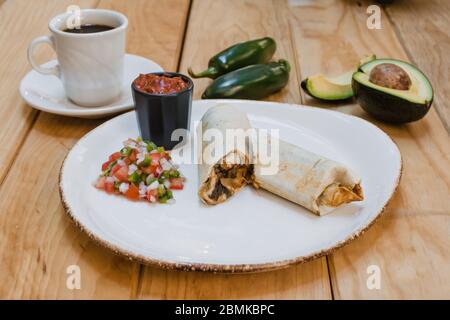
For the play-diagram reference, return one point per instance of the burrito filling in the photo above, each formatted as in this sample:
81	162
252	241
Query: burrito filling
225	180
336	194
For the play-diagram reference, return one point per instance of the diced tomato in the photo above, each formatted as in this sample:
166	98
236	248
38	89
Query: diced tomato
105	165
152	193
114	169
109	186
165	155
150	169
132	192
133	155
122	174
176	183
100	184
115	156
155	158
118	173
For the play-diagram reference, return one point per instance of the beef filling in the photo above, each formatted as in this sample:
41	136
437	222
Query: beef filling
226	179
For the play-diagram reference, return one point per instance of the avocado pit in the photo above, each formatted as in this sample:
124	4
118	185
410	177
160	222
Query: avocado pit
389	75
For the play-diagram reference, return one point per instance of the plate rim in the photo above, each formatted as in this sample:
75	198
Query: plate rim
229	268
87	112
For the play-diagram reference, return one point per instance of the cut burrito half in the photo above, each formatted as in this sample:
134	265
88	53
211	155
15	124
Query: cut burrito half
224	168
310	180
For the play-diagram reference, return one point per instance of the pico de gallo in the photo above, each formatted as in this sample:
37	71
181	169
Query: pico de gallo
141	171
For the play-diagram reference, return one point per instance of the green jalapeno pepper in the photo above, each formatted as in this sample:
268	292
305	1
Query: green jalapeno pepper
252	82
238	56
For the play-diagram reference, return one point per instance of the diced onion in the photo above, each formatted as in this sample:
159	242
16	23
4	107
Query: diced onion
165	164
123	187
149	178
154	185
110	179
167	184
129	143
142	188
140	157
131	169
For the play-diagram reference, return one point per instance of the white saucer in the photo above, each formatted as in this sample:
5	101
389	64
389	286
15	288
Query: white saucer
46	93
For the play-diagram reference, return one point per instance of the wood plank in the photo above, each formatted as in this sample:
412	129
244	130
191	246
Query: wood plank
427	42
37	240
330	36
156	28
306	281
20	23
214	25
411	252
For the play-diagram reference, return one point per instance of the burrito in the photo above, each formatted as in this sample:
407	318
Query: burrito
224	168
310	180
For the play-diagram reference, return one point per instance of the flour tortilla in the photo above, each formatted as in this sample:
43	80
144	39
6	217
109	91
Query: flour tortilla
310	180
225	172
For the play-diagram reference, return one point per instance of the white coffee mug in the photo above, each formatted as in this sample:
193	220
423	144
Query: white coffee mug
90	65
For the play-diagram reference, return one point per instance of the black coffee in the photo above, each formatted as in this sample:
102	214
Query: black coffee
89	28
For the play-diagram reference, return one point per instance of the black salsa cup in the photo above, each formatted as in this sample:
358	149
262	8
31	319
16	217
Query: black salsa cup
158	115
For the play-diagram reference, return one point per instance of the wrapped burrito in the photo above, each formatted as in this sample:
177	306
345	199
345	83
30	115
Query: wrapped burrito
224	168
312	181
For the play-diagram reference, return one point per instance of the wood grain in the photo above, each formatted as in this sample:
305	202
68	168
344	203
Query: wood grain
214	25
210	32
427	42
307	281
411	252
330	36
409	243
37	240
20	23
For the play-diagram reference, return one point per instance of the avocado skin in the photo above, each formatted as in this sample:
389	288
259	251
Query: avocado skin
304	86
386	107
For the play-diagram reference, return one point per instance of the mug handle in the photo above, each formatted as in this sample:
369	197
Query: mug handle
47	71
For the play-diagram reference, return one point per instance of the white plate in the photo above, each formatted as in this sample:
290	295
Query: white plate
254	230
46	93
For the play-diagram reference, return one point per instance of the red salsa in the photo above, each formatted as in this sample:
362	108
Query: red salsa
159	84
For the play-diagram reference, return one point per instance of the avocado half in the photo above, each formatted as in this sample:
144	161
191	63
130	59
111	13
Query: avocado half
332	89
393	105
329	89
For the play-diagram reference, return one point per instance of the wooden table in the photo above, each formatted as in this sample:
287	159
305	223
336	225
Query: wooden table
410	243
